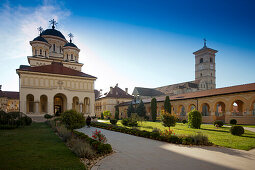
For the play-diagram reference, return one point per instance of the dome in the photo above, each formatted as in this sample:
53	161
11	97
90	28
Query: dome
39	38
54	33
70	45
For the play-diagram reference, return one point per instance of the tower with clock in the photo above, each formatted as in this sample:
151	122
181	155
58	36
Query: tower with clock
205	67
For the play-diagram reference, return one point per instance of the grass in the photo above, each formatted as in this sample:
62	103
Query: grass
35	147
251	126
218	136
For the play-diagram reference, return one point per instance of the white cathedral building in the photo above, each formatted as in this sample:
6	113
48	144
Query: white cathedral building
53	82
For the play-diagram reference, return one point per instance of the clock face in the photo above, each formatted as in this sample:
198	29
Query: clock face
211	66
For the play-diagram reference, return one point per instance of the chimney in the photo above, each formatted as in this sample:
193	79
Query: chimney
111	90
126	90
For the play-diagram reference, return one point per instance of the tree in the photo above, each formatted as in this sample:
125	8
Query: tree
194	119
154	109
116	113
168	119
130	109
107	114
102	116
141	111
167	105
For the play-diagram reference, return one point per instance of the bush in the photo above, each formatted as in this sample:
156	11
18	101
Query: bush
104	148
102	116
184	121
124	121
129	122
64	133
200	139
13	120
194	119
233	122
114	121
82	149
48	116
28	120
73	119
218	123
237	130
168	120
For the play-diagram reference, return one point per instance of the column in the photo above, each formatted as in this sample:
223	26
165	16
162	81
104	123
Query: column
81	107
36	107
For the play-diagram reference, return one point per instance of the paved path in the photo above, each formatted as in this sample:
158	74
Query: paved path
134	152
37	118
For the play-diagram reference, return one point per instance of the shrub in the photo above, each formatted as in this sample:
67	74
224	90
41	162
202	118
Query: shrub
129	122
48	116
168	120
156	130
104	148
102	116
82	149
124	121
114	121
116	116
194	119
13	120
97	135
184	121
237	130
233	122
166	133
64	133
28	120
218	123
154	109
200	139
73	119
107	114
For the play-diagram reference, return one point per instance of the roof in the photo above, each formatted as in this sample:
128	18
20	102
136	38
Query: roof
205	93
9	94
53	32
55	68
40	38
204	49
170	88
147	91
117	92
70	44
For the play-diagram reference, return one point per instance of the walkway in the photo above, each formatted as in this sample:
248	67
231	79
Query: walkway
140	153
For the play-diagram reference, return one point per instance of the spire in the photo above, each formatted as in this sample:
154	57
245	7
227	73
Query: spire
205	43
70	35
54	23
40	29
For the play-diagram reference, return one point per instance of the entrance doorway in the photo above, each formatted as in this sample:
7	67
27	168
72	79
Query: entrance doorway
59	104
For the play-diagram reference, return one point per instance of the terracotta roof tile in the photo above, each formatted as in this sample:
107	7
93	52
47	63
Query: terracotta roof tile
9	94
56	68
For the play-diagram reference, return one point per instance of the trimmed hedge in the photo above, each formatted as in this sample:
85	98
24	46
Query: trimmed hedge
13	120
48	116
237	130
233	122
186	140
73	119
113	121
218	123
100	147
194	119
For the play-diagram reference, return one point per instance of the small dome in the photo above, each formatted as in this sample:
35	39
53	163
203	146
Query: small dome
39	38
70	45
54	33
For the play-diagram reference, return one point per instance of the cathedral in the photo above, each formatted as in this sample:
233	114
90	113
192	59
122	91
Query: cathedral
53	82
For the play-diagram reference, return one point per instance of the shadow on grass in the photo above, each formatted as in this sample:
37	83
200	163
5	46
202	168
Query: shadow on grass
214	130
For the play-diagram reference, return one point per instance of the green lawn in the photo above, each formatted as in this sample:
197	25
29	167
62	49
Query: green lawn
35	147
218	136
251	126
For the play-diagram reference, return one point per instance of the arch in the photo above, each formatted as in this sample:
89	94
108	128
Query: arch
205	109
43	104
60	103
201	60
30	103
86	105
220	108
237	108
75	104
181	110
191	107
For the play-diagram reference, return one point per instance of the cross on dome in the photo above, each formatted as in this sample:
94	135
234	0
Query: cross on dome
70	35
40	29
54	23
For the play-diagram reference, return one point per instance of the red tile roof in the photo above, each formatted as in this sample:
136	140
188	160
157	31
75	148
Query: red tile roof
117	92
9	94
55	68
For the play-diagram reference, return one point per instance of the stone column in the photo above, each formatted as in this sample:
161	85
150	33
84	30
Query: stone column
81	107
36	107
50	107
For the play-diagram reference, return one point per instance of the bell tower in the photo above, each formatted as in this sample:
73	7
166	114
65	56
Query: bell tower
205	67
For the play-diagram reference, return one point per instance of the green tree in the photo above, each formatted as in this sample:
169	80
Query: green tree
117	113
154	109
141	111
102	116
194	119
130	109
168	120
107	114
167	105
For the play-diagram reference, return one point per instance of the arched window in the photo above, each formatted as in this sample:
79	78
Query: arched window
54	47
183	113
211	59
67	56
71	56
201	60
35	52
205	110
201	74
40	51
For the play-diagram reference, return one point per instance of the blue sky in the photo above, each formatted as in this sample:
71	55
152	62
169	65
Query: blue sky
146	43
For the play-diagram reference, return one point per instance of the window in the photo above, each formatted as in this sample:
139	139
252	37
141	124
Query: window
201	60
45	53
201	74
71	56
54	47
35	52
40	52
75	58
67	56
211	59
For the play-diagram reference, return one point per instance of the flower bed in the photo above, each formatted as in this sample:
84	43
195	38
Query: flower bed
198	139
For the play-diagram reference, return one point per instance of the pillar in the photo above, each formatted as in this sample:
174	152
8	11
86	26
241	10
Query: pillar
36	107
81	107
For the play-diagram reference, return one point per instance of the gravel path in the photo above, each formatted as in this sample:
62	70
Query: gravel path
134	152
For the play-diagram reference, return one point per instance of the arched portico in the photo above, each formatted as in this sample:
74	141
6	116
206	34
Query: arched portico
30	103
237	108
86	105
205	109
43	104
75	105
